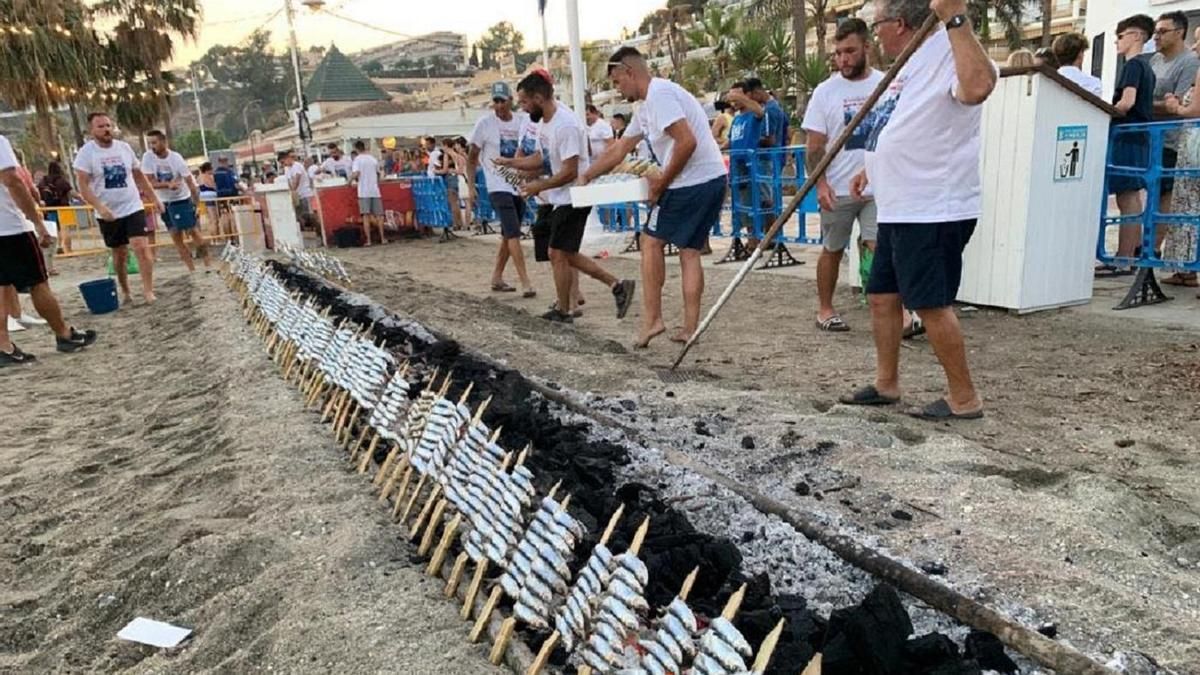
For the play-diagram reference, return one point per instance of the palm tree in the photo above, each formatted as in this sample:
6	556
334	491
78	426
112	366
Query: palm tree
144	41
1047	17
750	52
774	12
48	61
779	58
716	30
1008	13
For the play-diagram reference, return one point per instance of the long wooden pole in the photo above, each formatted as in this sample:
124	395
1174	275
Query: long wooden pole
839	143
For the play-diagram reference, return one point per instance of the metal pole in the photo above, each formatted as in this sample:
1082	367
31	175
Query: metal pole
292	45
577	75
545	45
199	113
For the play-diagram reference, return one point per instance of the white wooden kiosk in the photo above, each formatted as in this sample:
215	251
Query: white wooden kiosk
277	204
1045	143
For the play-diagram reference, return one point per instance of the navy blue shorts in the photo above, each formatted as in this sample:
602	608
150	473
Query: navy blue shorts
685	216
510	209
920	261
180	215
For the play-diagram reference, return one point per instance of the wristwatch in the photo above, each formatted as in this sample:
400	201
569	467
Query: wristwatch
956	21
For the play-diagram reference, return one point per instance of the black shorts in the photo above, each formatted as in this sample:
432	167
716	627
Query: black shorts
566	227
541	233
1169	161
118	232
920	261
21	262
510	209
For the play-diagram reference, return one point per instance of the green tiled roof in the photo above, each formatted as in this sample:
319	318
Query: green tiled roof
337	79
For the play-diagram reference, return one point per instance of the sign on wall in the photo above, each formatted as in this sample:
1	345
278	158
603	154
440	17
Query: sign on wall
1069	153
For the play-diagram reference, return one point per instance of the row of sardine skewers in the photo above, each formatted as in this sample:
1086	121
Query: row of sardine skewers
442	464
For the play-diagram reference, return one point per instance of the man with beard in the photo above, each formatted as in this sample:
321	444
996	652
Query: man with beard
833	104
685	197
109	177
498	134
563	139
337	164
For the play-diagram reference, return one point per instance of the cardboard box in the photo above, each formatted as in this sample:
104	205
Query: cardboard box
620	192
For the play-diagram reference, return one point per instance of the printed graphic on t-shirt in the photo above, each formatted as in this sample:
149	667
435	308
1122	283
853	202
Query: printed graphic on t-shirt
163	174
508	147
878	118
862	133
115	175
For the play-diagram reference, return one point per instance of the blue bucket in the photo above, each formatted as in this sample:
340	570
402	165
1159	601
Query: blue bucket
100	295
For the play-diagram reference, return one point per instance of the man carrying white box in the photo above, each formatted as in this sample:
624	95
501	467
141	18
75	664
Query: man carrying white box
685	197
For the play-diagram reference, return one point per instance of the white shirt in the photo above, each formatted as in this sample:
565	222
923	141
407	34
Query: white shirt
367	168
497	138
600	134
665	104
561	138
12	219
304	186
923	154
834	103
435	162
111	172
167	169
1086	82
313	170
338	167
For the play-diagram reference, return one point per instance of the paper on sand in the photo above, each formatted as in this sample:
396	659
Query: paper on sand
155	633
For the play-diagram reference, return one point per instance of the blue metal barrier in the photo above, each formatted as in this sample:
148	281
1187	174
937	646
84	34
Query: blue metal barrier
757	179
1135	151
432	204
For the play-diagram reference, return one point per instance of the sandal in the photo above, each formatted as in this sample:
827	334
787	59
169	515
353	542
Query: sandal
529	293
1177	279
868	395
503	288
940	410
833	324
912	330
1102	271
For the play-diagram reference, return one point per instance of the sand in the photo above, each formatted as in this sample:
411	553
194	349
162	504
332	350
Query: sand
172	470
168	472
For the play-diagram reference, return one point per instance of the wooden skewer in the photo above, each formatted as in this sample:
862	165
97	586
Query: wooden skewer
612	524
432	526
479	411
504	462
767	648
388	467
399	496
412	498
524	453
430	499
639	537
814	666
734	604
439	554
472	593
498	649
686	589
369	455
496	431
460	566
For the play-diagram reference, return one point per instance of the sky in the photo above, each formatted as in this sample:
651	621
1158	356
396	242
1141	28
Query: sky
230	21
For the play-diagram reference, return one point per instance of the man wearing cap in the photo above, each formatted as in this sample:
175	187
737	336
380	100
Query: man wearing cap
498	135
686	196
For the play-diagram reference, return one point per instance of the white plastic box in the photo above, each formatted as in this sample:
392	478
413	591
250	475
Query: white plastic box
617	192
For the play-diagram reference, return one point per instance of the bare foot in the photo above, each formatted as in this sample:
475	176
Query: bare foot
644	339
126	299
150	298
681	337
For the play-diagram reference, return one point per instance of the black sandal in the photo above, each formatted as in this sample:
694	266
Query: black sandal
868	395
940	410
834	324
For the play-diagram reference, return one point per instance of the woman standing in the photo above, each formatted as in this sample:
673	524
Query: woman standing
1180	242
56	192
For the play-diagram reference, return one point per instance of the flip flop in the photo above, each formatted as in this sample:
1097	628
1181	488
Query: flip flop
940	410
833	324
868	395
503	288
914	329
1178	280
529	294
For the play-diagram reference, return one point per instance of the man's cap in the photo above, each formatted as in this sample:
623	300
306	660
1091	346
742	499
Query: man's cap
501	90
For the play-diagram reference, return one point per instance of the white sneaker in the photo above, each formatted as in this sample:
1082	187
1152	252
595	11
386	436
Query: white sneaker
31	321
14	325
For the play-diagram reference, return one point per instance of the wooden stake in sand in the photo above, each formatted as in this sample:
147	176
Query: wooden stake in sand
473	590
813	667
734	604
543	655
767	648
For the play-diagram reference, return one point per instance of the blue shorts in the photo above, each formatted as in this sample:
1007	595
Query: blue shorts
922	262
510	209
685	216
180	215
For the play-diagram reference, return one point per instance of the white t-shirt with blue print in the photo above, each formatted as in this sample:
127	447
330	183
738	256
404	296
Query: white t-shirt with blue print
497	138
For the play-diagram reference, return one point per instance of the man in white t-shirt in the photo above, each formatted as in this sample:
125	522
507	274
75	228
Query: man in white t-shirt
300	185
834	102
923	162
337	164
364	172
22	266
498	134
110	178
312	168
434	156
177	189
685	197
1069	49
563	139
600	132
